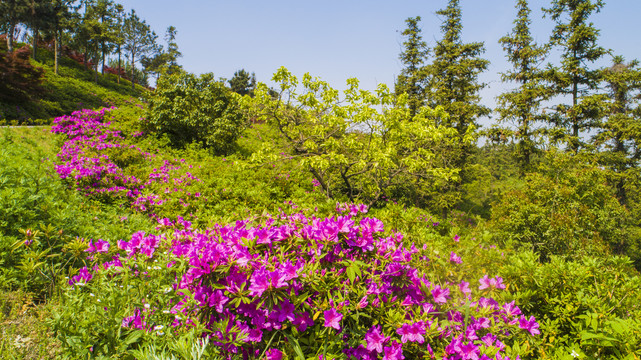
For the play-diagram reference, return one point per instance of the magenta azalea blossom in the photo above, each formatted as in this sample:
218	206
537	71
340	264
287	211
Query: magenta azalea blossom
455	258
394	351
333	318
440	294
412	332
274	354
530	325
375	339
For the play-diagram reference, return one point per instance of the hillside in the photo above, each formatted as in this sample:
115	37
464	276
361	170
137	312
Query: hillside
73	88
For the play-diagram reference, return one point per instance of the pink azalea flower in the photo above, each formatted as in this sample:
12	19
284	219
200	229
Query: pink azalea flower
394	351
375	339
530	325
455	258
333	318
412	332
440	294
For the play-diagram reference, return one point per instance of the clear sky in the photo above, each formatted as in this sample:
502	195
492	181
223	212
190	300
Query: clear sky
339	39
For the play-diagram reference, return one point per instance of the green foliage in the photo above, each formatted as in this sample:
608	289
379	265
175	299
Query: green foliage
192	108
353	149
589	306
521	106
453	76
242	83
577	39
568	209
43	225
412	80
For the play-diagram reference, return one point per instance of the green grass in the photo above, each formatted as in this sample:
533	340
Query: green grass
73	88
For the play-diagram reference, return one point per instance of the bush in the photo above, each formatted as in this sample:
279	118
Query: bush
568	209
189	108
291	284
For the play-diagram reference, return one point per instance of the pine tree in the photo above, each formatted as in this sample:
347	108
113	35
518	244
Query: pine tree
412	80
521	106
453	77
620	131
243	83
12	13
139	40
577	38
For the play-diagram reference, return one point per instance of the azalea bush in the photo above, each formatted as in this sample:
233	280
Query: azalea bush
291	284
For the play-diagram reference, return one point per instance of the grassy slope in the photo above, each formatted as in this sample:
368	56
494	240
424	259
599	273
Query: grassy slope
73	88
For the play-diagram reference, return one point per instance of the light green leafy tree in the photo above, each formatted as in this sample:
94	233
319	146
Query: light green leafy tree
361	145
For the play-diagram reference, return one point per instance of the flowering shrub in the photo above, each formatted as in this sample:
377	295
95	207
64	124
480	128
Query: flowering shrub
94	158
293	284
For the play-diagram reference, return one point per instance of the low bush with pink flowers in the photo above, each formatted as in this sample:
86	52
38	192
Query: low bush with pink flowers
295	284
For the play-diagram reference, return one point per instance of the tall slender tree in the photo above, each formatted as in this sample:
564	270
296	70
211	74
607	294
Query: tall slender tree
139	40
412	79
12	13
521	106
577	38
453	77
619	136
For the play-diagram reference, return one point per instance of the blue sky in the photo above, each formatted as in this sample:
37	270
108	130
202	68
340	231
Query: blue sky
336	40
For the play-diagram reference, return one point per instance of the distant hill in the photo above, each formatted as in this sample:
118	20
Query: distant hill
73	88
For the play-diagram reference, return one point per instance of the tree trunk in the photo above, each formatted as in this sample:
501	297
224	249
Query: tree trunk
118	63
35	44
133	87
12	28
56	51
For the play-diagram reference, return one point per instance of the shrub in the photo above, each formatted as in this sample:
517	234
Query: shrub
192	108
568	209
292	284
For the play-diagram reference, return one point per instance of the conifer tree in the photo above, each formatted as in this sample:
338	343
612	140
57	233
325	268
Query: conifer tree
12	13
453	77
139	40
577	37
412	79
620	131
521	106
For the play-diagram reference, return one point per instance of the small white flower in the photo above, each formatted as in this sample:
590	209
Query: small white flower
159	327
147	306
574	354
91	294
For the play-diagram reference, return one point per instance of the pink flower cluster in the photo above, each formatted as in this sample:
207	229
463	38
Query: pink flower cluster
83	160
236	272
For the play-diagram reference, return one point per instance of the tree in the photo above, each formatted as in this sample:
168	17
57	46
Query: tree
453	78
577	38
522	105
412	79
619	136
243	83
360	146
139	40
192	108
61	19
164	62
12	12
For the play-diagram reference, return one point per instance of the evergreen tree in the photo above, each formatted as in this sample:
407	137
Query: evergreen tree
139	40
12	13
243	83
620	131
164	62
453	78
577	38
521	106
412	80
